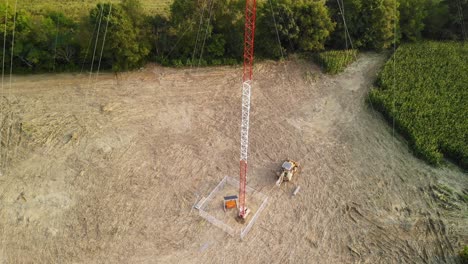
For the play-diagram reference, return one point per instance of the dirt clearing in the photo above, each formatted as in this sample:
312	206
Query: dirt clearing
107	170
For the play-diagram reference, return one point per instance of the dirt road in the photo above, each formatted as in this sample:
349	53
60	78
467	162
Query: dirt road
106	170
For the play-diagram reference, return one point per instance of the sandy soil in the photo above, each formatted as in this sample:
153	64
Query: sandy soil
106	170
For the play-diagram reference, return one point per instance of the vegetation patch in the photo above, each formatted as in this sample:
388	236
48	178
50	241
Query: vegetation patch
77	9
423	89
336	61
464	255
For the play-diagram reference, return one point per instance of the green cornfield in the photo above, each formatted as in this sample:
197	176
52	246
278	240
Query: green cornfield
335	61
423	88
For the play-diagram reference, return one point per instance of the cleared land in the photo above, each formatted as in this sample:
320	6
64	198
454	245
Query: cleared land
426	93
107	170
78	8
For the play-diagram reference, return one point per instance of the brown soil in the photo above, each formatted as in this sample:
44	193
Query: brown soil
106	170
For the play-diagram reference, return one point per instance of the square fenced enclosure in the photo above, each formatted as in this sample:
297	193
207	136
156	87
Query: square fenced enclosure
212	208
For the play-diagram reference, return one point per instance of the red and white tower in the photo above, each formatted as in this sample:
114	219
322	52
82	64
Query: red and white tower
249	37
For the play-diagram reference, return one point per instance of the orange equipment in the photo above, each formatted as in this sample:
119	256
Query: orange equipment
230	202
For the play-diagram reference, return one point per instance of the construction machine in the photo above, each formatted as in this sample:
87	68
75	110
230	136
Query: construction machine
289	169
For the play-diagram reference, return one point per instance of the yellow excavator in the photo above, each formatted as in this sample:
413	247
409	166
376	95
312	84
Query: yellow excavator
289	169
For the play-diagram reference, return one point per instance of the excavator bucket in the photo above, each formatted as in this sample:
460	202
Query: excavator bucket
280	180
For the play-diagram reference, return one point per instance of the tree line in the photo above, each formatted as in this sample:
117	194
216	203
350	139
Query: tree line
210	32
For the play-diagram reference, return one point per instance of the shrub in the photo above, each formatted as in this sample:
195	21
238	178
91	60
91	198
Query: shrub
177	63
336	61
464	255
230	61
216	62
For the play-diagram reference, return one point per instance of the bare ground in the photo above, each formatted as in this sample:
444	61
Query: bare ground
106	170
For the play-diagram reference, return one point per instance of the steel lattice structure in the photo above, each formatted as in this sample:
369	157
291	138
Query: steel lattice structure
249	37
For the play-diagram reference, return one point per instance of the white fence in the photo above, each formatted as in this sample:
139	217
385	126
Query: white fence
246	230
213	193
217	223
226	228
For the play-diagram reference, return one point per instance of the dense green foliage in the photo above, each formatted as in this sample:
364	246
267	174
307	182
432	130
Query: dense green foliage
54	42
335	61
79	8
213	34
198	33
286	26
50	37
429	99
412	16
41	42
314	23
464	255
124	26
445	19
370	23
